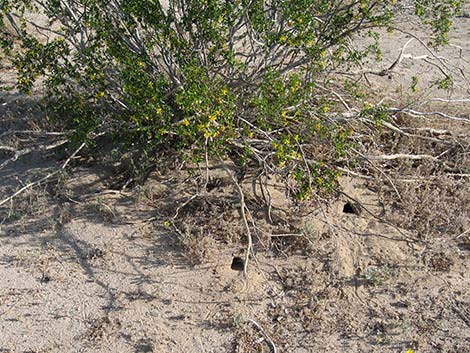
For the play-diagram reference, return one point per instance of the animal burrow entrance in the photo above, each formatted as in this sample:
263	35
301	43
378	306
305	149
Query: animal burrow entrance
350	208
237	264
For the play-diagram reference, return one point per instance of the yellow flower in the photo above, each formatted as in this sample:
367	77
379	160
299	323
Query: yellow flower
282	39
325	109
212	117
224	91
309	43
207	134
296	138
284	114
159	110
410	351
166	223
185	122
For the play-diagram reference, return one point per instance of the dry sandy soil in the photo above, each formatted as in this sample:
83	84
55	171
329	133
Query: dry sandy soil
86	268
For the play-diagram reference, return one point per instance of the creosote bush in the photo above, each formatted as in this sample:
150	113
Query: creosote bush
249	79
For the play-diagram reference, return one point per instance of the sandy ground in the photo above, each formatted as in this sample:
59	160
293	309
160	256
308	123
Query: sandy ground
87	269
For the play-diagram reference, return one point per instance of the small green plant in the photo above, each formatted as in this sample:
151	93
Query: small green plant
414	84
195	243
378	114
446	83
237	320
378	275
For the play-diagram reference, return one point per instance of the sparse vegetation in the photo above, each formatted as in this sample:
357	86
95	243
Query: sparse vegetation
336	131
377	275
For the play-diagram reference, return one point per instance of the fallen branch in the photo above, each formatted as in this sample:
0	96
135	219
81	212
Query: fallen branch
400	156
461	100
381	172
429	178
48	176
20	153
438	132
32	132
429	50
418	114
350	172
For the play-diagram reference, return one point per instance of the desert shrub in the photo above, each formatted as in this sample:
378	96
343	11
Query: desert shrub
249	79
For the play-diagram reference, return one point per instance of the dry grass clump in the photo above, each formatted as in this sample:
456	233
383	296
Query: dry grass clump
434	207
428	195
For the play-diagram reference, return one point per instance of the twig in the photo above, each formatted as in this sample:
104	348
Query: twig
362	176
429	50
37	182
38	132
408	239
400	156
462	234
184	204
415	113
25	151
266	336
285	235
439	132
429	178
243	209
461	100
394	64
270	198
206	159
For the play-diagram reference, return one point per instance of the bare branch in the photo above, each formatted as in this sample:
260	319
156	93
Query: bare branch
43	179
387	157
